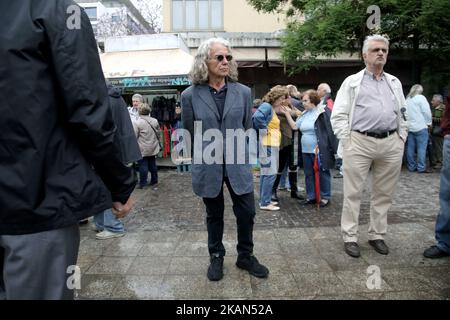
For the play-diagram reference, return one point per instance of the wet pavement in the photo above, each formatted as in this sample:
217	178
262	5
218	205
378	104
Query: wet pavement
164	253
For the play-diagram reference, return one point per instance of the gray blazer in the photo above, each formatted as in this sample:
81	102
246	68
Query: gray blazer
198	105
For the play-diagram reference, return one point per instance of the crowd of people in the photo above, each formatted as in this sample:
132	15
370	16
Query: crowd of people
67	148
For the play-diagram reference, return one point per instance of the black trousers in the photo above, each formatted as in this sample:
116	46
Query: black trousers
244	210
285	157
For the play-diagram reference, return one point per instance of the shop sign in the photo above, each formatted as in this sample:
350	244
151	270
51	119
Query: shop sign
160	81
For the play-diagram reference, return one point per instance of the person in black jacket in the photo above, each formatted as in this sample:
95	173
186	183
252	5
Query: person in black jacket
57	127
106	223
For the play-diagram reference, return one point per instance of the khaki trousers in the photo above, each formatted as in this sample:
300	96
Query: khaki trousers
384	156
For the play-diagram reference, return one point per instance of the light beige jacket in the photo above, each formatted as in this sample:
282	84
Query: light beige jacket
145	128
344	106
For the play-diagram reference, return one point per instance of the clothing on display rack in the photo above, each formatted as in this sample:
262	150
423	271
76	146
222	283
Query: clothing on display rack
163	109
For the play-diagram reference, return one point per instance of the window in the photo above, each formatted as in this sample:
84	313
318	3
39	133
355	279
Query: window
192	15
115	17
91	12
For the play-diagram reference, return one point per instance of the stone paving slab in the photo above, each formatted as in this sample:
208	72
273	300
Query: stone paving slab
164	254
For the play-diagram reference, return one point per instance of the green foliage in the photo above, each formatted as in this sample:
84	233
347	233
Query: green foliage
419	29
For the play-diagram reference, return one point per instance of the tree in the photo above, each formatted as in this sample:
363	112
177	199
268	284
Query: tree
151	10
118	24
114	24
418	30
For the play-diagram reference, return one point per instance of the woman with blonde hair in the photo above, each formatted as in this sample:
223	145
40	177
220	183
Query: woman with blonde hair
265	118
419	118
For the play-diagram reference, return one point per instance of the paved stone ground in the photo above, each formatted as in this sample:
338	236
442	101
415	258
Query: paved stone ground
164	253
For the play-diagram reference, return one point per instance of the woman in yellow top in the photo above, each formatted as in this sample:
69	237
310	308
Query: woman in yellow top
266	120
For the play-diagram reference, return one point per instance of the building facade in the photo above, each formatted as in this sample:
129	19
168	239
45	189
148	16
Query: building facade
114	18
255	38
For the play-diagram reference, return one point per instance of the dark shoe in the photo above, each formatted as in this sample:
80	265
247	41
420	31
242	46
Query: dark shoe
352	249
215	270
251	264
153	183
434	252
293	183
295	195
274	197
429	170
379	246
324	203
83	222
306	202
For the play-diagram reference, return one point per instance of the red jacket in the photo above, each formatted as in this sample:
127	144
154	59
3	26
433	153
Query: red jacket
445	122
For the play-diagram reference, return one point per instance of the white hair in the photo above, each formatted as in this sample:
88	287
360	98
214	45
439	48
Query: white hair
439	97
375	37
199	72
138	96
293	91
415	90
326	87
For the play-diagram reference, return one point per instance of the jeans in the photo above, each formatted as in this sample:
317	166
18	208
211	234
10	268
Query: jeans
265	189
324	178
269	168
283	178
338	165
417	142
244	210
106	220
147	164
443	218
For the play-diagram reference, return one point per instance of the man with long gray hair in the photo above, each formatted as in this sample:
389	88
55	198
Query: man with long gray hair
369	119
216	101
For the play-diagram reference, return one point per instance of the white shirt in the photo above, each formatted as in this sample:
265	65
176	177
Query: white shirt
419	113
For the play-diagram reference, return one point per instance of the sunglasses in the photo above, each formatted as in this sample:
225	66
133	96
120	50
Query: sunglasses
220	57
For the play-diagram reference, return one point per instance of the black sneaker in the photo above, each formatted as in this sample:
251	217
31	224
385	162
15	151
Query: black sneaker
434	252
251	264
215	270
308	202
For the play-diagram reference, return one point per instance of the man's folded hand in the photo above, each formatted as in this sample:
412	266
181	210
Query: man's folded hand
122	210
